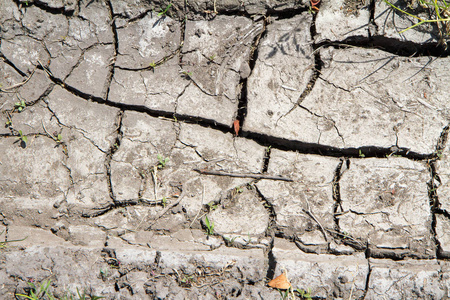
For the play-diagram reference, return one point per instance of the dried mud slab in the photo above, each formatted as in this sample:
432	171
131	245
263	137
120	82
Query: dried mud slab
301	205
324	275
384	204
353	18
390	22
282	72
401	279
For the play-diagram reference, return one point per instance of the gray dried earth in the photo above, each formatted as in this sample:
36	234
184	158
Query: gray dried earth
122	174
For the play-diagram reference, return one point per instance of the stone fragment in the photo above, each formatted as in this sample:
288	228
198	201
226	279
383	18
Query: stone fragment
405	279
385	204
324	275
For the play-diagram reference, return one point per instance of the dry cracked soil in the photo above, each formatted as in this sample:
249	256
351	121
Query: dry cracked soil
198	149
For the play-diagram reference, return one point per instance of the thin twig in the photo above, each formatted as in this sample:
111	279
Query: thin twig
309	213
155	181
243	175
18	84
201	207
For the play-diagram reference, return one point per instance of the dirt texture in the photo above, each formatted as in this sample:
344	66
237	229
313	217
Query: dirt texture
198	149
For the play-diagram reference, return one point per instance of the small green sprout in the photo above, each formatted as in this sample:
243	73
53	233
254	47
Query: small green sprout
164	202
22	137
304	294
362	155
188	74
163	12
209	226
38	292
152	64
8	123
162	162
20	105
212	206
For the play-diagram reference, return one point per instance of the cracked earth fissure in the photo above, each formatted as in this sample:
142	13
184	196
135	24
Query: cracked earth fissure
45	7
262	139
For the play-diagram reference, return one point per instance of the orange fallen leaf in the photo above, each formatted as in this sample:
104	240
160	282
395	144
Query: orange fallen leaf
236	127
281	282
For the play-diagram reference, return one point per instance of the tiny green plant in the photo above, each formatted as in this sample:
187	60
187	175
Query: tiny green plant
188	74
362	155
164	202
4	243
163	12
152	64
439	9
37	292
212	206
22	137
239	189
20	105
304	294
104	272
209	226
162	162
231	240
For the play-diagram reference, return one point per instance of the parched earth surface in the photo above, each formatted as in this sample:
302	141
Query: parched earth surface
198	150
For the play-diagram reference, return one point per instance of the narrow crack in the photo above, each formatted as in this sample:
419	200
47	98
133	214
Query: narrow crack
367	283
110	75
47	8
253	57
113	149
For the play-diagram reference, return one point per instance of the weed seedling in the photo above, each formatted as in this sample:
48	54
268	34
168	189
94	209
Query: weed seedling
22	138
38	292
20	105
164	202
362	155
209	226
304	294
162	162
212	206
187	74
163	12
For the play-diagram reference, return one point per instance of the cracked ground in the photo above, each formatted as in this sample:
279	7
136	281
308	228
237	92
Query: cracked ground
200	149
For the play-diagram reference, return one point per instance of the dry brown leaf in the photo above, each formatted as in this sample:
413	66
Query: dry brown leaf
281	282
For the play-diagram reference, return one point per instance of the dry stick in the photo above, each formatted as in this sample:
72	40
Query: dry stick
243	175
18	84
309	213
